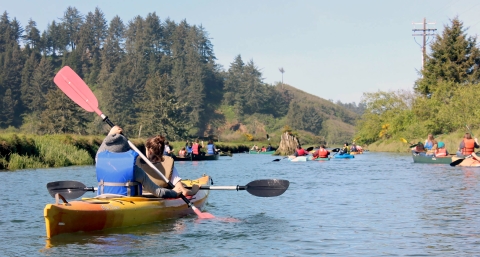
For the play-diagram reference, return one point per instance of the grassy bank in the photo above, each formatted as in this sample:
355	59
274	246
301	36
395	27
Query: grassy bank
23	151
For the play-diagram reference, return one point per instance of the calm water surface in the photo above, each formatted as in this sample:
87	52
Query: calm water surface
377	204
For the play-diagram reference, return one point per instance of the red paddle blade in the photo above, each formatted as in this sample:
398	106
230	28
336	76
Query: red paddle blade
202	215
74	87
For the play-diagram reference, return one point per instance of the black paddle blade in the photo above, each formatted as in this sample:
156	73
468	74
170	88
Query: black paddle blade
335	150
276	160
68	189
456	162
309	149
267	187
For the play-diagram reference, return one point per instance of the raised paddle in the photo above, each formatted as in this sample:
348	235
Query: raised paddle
76	89
260	188
458	161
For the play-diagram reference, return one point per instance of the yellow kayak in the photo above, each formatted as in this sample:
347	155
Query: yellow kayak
91	214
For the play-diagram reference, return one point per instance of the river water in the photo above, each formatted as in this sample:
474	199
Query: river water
378	204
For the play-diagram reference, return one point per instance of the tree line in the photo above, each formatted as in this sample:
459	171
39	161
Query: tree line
444	98
150	75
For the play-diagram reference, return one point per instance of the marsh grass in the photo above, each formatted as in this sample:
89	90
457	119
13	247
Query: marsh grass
22	151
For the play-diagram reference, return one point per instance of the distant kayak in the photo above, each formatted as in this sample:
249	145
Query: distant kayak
344	156
267	152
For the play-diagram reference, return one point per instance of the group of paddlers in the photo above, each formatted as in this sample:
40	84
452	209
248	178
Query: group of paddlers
262	149
194	148
432	147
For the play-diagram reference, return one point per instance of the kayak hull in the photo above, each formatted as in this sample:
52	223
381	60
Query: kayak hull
90	214
206	157
431	159
267	152
344	156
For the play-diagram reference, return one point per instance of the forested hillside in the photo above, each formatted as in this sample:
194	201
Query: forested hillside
151	76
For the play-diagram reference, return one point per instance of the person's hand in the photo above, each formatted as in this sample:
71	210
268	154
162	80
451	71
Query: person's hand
115	130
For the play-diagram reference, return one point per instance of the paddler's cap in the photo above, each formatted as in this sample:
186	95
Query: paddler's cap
441	144
116	143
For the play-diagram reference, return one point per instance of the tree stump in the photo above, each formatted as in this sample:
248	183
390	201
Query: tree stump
288	144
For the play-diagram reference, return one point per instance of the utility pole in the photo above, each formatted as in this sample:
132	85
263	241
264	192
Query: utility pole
282	71
425	33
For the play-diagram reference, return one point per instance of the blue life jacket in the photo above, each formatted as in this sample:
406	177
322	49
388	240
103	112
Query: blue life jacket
115	173
210	149
428	145
189	149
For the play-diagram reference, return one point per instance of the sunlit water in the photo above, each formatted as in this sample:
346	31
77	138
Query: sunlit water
377	204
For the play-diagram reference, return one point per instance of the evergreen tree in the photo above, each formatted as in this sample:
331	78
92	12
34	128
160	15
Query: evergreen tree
32	35
159	111
71	22
454	58
61	115
113	51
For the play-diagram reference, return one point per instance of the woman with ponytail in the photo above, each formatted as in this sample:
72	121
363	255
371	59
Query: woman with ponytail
155	147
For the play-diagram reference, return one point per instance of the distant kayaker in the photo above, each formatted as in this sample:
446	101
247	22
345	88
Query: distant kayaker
430	145
168	150
321	153
264	149
182	152
418	149
254	148
300	151
112	171
189	148
165	164
467	146
196	148
353	148
269	148
211	147
441	151
345	149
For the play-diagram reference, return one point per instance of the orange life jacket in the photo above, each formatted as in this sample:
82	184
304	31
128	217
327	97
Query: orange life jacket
323	153
440	152
195	148
469	146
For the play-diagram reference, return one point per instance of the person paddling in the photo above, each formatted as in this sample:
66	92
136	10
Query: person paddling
321	153
155	147
467	146
117	172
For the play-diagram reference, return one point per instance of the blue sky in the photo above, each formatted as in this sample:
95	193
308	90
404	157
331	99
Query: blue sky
332	49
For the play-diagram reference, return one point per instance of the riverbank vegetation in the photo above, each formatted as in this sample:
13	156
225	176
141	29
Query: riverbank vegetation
444	100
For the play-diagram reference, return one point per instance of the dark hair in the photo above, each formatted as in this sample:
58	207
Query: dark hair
156	146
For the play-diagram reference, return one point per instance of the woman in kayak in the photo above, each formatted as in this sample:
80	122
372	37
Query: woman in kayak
155	147
467	146
115	142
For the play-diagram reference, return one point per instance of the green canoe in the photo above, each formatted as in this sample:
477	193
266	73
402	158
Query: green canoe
268	152
206	157
417	158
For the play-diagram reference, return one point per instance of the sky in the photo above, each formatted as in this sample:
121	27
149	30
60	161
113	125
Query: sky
336	50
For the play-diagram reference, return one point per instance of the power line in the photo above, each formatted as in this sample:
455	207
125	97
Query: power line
426	32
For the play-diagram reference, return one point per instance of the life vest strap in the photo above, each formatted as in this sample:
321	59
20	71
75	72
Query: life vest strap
127	184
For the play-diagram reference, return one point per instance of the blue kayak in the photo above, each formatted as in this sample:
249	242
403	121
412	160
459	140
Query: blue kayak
344	156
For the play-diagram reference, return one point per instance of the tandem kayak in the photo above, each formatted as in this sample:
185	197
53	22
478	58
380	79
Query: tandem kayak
267	152
206	157
420	158
90	214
